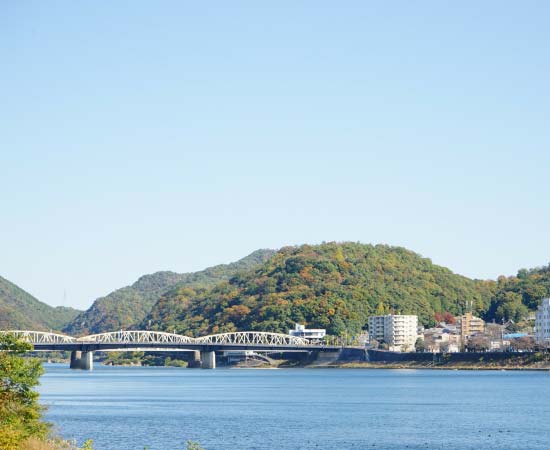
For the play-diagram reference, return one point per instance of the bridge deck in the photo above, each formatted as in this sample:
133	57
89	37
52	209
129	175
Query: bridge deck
156	340
93	346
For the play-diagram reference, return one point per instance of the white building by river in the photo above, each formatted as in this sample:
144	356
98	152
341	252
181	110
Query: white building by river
542	323
308	333
398	331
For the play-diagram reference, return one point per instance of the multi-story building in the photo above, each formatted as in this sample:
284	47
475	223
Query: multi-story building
542	323
376	329
469	325
398	332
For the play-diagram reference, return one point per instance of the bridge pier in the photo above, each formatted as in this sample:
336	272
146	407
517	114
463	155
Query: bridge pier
325	358
195	360
75	360
82	360
208	360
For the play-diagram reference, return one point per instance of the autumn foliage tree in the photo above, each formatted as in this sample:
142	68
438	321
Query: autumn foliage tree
478	343
449	318
445	317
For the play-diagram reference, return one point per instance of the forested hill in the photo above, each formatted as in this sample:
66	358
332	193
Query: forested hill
517	295
20	310
334	286
129	305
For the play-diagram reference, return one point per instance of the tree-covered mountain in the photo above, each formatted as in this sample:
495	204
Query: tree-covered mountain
334	286
516	296
129	305
20	310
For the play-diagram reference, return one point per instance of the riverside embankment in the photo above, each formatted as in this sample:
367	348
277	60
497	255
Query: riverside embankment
360	358
378	359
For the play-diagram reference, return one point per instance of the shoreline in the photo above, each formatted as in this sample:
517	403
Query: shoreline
360	365
349	364
440	366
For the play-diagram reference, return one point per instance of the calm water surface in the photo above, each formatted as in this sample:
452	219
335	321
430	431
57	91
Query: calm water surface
124	408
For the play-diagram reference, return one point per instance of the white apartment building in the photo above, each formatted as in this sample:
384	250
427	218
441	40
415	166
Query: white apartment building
542	323
397	331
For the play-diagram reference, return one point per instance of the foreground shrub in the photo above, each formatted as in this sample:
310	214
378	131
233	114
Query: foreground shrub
20	412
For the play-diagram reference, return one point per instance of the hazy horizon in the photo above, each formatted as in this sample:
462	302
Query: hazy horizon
139	137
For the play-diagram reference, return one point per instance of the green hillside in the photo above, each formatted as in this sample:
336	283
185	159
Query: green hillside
20	310
334	286
128	306
516	296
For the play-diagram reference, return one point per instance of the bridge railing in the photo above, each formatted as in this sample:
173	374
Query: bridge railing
137	337
259	338
253	338
40	337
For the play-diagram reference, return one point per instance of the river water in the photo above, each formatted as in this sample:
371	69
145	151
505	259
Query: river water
123	408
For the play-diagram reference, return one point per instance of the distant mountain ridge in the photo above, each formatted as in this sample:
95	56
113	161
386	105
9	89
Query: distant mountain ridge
129	305
20	310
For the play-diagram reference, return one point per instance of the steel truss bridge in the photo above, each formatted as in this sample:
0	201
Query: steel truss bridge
82	348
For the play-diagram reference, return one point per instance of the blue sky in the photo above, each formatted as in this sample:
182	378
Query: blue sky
143	136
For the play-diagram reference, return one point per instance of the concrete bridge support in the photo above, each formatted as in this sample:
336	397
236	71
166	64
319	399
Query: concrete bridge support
208	360
75	359
195	360
82	360
326	358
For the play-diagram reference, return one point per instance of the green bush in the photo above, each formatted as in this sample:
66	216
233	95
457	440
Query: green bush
20	412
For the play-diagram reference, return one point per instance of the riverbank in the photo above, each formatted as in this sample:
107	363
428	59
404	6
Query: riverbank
375	359
448	361
355	359
425	366
365	365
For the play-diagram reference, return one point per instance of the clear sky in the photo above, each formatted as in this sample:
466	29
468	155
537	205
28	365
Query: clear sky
141	136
